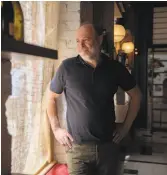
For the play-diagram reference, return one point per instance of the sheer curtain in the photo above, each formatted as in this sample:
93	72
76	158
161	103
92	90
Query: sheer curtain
45	34
26	107
45	16
40	143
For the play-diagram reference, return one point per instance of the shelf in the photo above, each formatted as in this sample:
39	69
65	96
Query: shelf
158	46
162	60
160	122
159	109
154	129
161	72
159	97
158	84
10	45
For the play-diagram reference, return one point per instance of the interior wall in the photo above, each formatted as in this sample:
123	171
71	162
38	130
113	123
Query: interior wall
69	22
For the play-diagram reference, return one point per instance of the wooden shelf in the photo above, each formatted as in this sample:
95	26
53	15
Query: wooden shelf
159	97
158	46
10	45
164	72
159	109
154	129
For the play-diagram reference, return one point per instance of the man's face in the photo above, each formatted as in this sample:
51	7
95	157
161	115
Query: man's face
87	43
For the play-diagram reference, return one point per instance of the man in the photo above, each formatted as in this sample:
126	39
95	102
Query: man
89	82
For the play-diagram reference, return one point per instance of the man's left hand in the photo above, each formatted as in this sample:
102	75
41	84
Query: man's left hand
120	132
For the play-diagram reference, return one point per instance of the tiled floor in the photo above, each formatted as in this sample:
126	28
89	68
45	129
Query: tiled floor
139	161
156	164
146	168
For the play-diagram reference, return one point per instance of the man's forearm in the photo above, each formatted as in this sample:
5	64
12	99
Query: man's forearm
122	130
134	107
52	114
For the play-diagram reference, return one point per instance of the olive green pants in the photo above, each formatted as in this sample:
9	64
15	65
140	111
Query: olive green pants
93	159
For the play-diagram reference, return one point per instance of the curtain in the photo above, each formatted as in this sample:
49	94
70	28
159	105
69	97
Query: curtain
27	120
40	143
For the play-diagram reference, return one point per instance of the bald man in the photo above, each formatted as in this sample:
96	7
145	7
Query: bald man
89	82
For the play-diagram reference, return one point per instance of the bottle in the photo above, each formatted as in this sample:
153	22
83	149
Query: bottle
7	19
18	21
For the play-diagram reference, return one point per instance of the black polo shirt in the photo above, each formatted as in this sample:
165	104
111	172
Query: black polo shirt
89	94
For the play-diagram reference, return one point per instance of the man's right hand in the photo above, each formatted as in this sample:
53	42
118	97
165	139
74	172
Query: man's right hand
63	137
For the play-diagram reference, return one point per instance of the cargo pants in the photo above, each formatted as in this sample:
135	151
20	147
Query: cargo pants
93	159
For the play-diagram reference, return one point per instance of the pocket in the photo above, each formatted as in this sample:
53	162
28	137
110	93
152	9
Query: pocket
68	150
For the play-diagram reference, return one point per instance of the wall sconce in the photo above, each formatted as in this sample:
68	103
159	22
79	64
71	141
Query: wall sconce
128	47
119	32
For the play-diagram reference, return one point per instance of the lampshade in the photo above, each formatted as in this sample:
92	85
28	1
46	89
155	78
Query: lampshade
119	32
128	47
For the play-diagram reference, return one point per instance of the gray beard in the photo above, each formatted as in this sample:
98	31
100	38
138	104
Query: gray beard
95	57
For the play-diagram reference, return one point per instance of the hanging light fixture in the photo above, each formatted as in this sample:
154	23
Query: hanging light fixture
128	47
119	32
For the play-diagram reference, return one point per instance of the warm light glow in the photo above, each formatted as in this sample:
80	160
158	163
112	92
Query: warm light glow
128	47
119	33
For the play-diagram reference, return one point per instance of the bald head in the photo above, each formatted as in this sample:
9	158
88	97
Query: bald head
88	41
88	29
98	31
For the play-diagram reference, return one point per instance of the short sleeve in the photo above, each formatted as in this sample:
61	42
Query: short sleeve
125	80
58	83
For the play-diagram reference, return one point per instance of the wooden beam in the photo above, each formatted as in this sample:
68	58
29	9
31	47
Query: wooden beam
12	46
119	7
108	16
108	24
98	13
42	168
86	11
